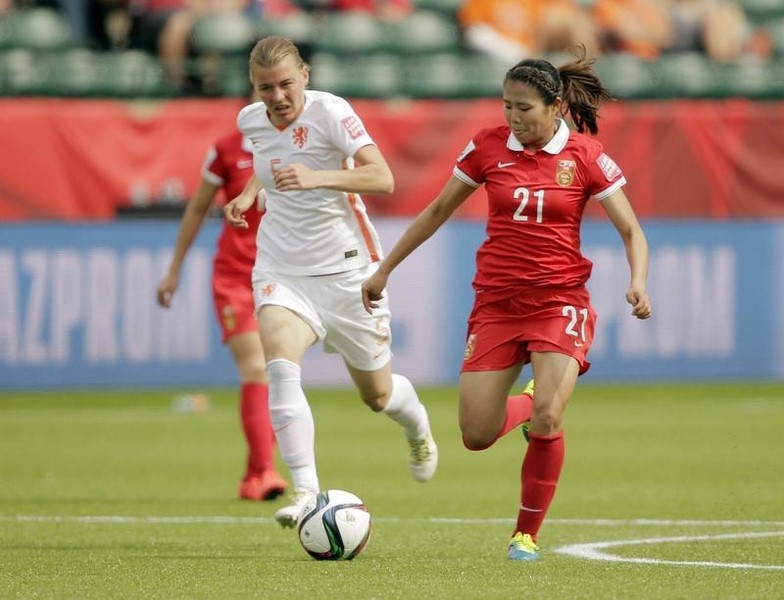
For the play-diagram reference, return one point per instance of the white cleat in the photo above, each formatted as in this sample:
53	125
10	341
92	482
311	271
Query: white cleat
423	458
288	516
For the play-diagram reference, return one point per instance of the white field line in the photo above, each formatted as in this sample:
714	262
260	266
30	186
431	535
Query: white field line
594	550
587	551
232	520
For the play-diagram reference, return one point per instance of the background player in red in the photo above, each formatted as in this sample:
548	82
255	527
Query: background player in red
227	167
531	303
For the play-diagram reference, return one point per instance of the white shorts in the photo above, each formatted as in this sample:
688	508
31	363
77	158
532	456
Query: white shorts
332	306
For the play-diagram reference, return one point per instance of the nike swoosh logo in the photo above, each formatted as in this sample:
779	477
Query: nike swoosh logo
244	164
502	165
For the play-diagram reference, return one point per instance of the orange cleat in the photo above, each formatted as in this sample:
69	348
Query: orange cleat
267	486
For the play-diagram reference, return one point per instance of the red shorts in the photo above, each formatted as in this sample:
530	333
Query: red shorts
233	299
503	333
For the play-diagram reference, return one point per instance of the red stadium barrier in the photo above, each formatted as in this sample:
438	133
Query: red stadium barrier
85	159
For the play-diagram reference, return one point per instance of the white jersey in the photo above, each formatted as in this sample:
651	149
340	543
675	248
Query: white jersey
310	232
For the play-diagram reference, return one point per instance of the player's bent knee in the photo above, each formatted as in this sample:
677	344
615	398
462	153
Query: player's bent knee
376	402
475	444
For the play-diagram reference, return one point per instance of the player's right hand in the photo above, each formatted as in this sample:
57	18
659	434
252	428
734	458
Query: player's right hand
641	303
166	289
234	211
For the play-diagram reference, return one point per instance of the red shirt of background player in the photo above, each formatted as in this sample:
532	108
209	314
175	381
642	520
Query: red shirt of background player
229	164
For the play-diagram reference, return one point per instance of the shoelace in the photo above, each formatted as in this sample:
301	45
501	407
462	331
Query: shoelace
420	450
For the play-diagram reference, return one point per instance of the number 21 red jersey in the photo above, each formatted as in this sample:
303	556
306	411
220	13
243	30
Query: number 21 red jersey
535	205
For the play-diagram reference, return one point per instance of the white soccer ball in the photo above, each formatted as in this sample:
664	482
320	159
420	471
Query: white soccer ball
334	525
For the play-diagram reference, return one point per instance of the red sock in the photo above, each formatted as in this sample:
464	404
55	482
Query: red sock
518	411
257	425
540	472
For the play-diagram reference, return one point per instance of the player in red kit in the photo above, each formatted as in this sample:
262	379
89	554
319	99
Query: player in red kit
531	301
227	167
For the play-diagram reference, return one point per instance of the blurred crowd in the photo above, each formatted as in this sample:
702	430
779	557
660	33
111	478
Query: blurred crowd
508	30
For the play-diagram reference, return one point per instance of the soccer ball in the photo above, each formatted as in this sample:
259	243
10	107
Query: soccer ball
334	525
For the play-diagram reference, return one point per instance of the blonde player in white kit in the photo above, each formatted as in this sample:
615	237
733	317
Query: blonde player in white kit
316	246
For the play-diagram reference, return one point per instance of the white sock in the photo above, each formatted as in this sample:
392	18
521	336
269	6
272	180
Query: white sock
292	420
405	409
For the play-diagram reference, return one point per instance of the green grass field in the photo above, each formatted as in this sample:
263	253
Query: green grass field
668	491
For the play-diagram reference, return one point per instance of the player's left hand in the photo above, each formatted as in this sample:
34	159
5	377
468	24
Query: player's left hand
641	304
295	177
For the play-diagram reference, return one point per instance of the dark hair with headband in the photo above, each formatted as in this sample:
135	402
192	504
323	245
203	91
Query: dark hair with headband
576	83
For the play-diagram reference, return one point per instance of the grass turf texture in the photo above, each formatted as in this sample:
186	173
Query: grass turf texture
111	494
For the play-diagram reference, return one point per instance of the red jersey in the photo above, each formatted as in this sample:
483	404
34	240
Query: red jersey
229	164
535	206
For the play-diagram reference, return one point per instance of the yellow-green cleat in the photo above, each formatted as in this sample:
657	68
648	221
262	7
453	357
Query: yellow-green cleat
523	547
423	458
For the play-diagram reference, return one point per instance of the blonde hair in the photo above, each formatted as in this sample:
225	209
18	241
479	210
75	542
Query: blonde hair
273	50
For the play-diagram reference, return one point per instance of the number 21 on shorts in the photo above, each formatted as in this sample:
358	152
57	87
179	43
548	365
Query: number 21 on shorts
578	317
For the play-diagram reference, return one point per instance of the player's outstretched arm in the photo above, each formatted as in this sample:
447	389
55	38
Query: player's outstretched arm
190	225
454	193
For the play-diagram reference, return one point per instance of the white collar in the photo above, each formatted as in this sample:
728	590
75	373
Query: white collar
554	146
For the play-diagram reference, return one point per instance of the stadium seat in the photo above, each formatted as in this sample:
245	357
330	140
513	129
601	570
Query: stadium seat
761	11
687	75
232	78
484	76
776	30
309	5
625	75
22	73
448	7
349	33
371	76
6	32
75	72
422	32
326	72
435	76
35	28
131	74
225	33
298	27
754	80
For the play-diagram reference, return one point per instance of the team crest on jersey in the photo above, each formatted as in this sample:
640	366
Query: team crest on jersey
469	347
466	151
299	136
609	168
564	174
228	317
353	127
268	289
